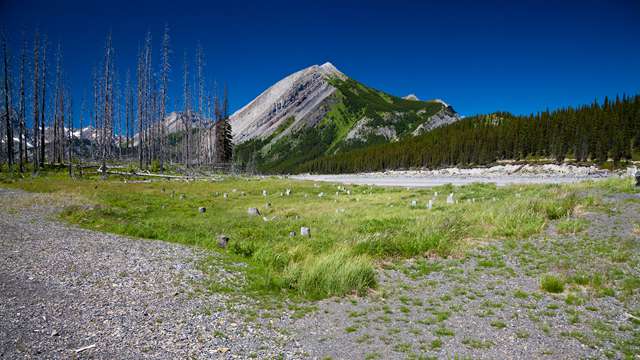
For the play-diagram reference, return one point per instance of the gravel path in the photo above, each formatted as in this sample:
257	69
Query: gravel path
63	289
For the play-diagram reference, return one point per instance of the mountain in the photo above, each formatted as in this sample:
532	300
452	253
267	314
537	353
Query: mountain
320	111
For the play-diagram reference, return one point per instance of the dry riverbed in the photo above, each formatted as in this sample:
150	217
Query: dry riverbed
66	292
500	175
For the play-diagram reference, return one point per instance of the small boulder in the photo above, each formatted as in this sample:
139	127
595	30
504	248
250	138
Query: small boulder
292	234
253	212
287	192
414	203
223	240
264	192
202	209
305	231
450	199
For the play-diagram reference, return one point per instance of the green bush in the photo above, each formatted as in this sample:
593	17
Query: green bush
155	166
552	284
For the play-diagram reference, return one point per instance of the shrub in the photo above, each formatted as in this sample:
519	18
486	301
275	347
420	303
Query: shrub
552	284
155	166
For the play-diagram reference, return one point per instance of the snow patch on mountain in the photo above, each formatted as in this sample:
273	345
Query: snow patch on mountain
412	97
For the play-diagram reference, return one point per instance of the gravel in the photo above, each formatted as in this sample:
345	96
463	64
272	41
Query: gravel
63	289
500	175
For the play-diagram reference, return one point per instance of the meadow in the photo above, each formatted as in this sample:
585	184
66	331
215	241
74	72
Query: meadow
354	230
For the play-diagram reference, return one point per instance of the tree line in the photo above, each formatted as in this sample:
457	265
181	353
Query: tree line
594	133
120	121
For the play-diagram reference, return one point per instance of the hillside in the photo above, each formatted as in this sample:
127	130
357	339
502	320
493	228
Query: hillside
597	133
318	112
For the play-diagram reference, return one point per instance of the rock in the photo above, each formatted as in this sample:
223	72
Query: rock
414	203
182	196
264	192
287	192
450	199
292	234
202	209
305	231
223	240
225	195
253	212
321	194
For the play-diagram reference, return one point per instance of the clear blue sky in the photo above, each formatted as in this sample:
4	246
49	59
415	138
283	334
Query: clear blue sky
480	56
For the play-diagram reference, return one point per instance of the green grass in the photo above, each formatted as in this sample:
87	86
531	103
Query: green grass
345	247
552	284
572	226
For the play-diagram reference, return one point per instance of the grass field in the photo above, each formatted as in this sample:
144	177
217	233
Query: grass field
354	229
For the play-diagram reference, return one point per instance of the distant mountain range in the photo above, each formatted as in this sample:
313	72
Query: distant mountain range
320	111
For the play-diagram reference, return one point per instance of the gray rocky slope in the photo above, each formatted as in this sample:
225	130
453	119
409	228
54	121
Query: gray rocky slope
304	98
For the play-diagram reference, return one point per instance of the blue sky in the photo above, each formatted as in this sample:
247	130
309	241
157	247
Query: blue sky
480	56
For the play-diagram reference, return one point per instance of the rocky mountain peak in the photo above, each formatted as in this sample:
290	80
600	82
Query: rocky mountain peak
296	97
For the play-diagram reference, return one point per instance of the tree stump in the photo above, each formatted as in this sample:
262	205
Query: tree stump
305	231
223	240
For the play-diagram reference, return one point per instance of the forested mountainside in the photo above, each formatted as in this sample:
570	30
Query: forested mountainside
595	133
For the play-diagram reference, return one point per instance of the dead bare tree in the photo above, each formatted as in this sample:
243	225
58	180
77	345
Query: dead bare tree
70	136
43	102
127	109
7	104
107	120
164	83
59	112
36	103
140	108
21	116
186	116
